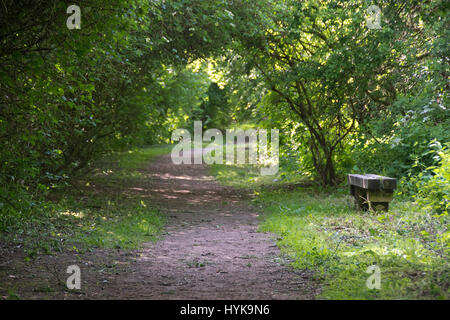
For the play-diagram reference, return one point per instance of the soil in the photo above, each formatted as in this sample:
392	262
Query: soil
211	249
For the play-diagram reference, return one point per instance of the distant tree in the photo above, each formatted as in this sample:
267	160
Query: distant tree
325	68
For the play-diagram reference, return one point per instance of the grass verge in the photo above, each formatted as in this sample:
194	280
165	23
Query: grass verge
322	232
102	210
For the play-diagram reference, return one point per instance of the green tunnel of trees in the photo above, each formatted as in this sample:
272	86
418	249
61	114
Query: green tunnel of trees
346	97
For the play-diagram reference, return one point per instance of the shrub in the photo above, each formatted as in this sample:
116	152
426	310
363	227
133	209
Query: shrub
433	184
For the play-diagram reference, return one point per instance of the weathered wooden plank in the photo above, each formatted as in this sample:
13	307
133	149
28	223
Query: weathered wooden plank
372	181
386	182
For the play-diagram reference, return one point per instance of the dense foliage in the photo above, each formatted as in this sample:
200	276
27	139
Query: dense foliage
70	96
346	98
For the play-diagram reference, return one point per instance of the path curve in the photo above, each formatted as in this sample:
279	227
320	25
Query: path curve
212	249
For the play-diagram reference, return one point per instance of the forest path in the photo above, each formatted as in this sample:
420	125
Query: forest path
212	249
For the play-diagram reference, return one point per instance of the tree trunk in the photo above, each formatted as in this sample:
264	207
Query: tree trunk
323	163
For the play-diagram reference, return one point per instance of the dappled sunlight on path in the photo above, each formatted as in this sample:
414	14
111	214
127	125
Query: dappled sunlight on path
211	250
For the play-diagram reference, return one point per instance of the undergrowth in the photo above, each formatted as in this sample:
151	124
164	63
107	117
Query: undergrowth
100	210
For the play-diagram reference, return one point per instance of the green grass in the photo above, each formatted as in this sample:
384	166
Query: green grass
240	176
249	176
124	222
321	231
101	210
138	157
126	164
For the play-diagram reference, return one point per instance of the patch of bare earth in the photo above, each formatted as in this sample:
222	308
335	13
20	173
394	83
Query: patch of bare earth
212	250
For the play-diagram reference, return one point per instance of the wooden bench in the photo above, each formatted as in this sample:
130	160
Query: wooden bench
372	191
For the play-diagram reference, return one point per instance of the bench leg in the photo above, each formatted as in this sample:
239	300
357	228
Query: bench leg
361	203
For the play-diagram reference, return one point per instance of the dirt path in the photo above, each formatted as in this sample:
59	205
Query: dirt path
212	250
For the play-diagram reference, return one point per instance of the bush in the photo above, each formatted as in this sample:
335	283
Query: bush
434	184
